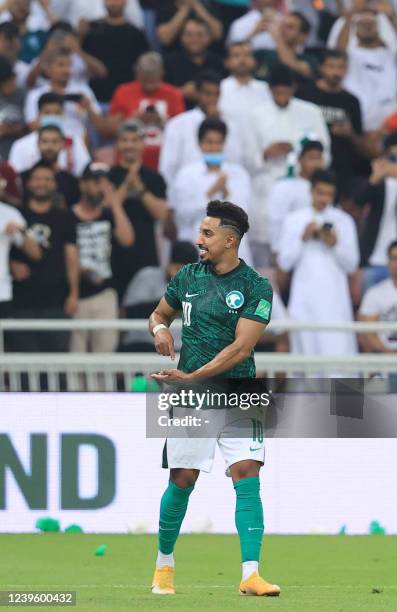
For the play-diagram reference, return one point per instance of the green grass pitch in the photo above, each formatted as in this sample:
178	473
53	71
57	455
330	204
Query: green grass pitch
316	573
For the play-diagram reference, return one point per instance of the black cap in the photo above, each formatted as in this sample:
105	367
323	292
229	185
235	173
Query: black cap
184	253
95	170
6	69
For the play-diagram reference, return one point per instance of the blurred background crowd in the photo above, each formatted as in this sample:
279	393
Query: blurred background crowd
121	119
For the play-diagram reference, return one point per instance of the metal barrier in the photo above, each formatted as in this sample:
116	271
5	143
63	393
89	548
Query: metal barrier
115	371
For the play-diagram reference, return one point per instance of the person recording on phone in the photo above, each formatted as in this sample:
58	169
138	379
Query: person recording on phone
150	100
81	106
255	25
320	245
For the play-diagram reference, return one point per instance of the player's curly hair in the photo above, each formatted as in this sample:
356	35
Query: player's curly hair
229	214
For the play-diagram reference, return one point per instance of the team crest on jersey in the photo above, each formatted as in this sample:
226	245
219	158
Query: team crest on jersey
234	300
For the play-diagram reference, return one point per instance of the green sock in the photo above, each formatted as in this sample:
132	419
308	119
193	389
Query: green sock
249	518
172	512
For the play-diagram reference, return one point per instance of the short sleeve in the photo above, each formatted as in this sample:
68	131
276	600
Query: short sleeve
258	306
156	185
174	291
18	218
110	217
69	229
369	305
31	106
355	116
117	105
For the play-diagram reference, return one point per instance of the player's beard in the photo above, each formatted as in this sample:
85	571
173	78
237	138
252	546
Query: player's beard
205	262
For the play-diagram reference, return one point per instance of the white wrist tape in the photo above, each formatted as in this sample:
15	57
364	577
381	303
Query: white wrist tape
158	327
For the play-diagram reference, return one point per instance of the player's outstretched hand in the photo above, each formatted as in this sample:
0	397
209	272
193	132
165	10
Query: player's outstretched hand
164	343
170	376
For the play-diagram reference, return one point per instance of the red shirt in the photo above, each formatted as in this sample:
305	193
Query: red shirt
129	99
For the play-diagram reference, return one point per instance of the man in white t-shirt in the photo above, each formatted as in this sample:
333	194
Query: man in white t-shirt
12	233
81	105
372	70
240	92
380	304
25	151
384	21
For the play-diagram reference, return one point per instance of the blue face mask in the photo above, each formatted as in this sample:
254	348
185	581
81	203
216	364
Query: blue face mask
214	159
56	120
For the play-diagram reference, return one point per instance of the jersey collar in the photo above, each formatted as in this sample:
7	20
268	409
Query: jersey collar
231	273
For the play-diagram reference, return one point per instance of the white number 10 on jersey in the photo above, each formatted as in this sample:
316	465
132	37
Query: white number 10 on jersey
187	310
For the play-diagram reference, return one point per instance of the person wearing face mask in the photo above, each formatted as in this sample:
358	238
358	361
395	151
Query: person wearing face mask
99	217
180	144
25	152
210	178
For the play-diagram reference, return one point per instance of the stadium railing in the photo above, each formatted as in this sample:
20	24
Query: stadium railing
116	371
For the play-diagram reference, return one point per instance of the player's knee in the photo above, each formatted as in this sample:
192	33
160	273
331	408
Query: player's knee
245	469
184	478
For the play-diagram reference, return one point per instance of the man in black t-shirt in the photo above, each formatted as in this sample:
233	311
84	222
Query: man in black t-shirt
49	288
183	66
51	144
171	15
118	44
144	204
342	114
99	217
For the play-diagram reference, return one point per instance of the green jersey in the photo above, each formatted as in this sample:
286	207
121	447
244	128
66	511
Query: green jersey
211	306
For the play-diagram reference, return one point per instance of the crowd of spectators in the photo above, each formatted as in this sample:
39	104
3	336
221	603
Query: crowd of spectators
121	119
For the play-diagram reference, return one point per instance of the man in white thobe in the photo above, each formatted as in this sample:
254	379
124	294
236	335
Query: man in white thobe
293	192
272	131
319	244
211	178
240	92
180	145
